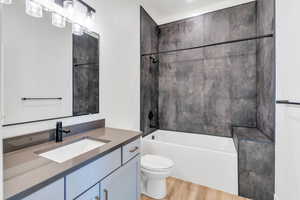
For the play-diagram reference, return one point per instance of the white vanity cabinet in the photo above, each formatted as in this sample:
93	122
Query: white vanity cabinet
85	177
52	191
91	194
123	184
114	176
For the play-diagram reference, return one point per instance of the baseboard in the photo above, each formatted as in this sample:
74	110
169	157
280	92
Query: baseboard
275	197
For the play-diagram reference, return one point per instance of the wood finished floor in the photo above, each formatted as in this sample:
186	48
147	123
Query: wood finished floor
182	190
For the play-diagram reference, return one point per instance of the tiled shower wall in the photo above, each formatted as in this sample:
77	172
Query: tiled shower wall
149	73
210	89
266	68
217	89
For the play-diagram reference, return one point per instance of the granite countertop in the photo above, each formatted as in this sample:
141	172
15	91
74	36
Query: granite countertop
25	170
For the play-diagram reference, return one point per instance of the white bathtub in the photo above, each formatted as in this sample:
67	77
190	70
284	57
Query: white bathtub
205	160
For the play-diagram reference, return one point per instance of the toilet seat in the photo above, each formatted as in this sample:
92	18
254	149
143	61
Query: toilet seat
156	163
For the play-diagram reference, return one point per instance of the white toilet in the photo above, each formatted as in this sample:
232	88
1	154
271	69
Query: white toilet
155	169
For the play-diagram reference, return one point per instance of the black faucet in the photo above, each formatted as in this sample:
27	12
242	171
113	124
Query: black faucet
59	132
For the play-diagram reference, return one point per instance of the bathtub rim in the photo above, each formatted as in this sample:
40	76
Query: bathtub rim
233	153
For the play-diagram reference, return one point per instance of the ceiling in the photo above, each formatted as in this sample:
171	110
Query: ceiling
165	11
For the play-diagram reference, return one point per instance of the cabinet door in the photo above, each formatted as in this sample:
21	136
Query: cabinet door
124	183
91	194
82	179
50	192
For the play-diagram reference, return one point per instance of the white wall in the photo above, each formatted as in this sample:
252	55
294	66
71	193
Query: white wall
287	117
118	22
119	27
163	13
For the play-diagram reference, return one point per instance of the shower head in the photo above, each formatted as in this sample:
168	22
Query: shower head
153	59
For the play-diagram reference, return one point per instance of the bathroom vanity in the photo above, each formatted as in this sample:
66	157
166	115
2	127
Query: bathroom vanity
108	172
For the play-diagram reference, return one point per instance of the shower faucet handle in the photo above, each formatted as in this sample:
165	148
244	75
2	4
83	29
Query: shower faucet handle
151	117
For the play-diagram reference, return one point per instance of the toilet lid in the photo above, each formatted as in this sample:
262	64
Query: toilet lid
153	162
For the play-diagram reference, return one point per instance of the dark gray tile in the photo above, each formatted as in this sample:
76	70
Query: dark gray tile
223	25
149	94
266	86
80	90
217	27
243	112
85	75
93	90
230	24
207	90
250	134
256	163
149	73
85	89
149	33
182	34
85	49
168	37
256	170
242	21
265	16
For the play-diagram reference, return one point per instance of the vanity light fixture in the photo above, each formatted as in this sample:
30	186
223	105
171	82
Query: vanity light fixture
91	15
34	9
58	20
77	12
68	6
6	1
90	18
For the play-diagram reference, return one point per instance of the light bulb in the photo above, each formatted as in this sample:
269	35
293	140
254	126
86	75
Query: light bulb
58	20
90	19
34	9
91	15
68	6
77	29
6	1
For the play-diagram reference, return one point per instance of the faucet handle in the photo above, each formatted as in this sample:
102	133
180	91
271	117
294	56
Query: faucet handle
66	131
58	124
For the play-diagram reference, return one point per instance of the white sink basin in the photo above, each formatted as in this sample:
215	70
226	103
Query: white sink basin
72	150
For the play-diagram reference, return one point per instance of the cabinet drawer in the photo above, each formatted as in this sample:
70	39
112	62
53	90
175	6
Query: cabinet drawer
130	150
85	177
50	192
91	194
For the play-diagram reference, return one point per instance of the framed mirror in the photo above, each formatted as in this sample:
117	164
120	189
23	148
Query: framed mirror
48	72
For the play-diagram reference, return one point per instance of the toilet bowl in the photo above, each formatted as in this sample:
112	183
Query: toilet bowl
155	169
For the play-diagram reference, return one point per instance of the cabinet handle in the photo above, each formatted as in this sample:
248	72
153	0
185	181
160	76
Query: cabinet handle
134	149
106	194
